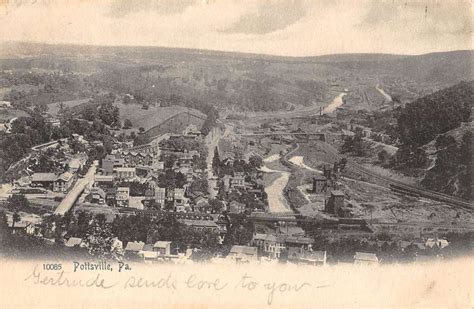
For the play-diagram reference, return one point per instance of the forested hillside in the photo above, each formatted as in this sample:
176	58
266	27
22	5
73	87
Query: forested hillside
444	110
436	137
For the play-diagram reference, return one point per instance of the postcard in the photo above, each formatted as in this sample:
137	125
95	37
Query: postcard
236	154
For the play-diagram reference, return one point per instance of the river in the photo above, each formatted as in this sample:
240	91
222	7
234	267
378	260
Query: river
386	96
276	199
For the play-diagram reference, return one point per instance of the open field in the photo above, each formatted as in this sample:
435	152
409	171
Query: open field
53	108
151	117
7	114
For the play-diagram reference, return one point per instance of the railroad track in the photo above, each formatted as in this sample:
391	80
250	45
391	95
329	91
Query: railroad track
398	186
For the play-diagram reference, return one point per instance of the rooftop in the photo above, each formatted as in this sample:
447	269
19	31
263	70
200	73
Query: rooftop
199	223
65	176
243	250
73	241
313	256
161	244
44	177
125	169
135	246
103	178
337	193
364	256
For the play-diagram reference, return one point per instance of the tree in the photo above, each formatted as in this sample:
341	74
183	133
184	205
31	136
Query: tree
40	109
99	241
170	160
255	161
382	156
16	218
217	206
4	230
127	124
18	201
141	129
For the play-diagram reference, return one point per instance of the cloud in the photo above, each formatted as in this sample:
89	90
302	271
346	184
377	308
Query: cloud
121	8
269	17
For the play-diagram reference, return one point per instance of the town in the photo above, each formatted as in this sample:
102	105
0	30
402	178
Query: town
130	176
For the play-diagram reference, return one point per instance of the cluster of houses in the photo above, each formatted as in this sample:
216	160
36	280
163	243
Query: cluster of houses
56	182
52	181
144	164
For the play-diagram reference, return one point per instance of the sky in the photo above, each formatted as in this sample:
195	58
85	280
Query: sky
289	27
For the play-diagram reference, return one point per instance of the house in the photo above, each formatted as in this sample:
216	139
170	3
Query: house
133	248
302	256
162	247
238	180
289	229
201	225
364	258
110	196
270	245
97	195
74	242
335	202
135	158
243	254
258	193
44	180
53	121
200	204
63	182
178	197
170	195
104	181
20	227
122	196
160	196
5	104
158	166
191	130
236	207
125	173
440	243
346	133
226	182
147	253
110	163
298	241
273	245
319	184
222	222
74	165
117	245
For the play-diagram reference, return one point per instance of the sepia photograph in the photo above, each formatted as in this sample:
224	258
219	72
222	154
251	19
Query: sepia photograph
236	153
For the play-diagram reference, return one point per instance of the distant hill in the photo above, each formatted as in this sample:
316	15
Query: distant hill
439	68
240	81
